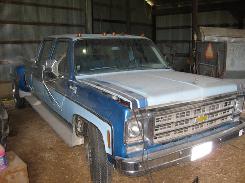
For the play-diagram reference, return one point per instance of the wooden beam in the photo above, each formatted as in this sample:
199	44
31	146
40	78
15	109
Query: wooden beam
194	17
128	16
173	41
194	30
141	24
154	24
121	22
208	7
110	20
89	16
39	5
174	27
106	5
21	42
40	23
203	25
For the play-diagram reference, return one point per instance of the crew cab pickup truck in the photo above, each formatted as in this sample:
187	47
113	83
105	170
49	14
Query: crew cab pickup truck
134	112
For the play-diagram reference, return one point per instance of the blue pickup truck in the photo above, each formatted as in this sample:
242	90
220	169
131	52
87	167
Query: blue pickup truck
134	112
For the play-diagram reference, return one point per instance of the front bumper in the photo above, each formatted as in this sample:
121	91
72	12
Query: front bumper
175	155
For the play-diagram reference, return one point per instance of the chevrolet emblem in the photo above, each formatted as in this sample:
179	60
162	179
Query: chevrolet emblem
201	118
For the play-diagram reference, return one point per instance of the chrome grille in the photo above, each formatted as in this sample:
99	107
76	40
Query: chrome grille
190	119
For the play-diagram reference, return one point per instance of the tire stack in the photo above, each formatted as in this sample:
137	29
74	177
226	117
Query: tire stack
4	125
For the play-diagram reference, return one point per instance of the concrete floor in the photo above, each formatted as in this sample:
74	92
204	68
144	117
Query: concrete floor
49	160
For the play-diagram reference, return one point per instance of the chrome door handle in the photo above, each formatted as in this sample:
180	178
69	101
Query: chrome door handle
73	88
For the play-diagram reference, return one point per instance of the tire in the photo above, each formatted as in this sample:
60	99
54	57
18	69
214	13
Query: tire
100	168
19	102
4	123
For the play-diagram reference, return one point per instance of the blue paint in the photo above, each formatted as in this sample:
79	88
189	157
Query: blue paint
90	98
137	100
108	109
20	72
104	106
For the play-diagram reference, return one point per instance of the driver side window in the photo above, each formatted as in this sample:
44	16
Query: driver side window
61	56
45	52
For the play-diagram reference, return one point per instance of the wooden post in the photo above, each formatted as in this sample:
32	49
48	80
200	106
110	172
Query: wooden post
89	16
194	30
153	19
128	16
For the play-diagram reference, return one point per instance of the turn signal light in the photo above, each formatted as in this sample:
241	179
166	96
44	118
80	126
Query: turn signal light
108	139
79	34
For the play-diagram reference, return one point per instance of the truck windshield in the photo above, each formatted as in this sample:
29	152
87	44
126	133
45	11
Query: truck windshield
111	55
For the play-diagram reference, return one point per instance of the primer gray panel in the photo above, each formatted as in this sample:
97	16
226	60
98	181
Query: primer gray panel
235	57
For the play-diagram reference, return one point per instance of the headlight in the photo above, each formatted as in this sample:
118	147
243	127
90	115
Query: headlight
133	131
239	104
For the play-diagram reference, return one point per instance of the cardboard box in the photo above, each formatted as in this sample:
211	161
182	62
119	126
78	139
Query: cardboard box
16	170
5	89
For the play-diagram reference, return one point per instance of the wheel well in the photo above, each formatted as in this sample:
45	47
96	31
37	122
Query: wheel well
82	129
85	124
80	125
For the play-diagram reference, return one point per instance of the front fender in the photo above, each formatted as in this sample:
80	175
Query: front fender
102	125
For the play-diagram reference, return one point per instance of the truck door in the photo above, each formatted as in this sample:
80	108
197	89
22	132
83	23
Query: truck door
56	81
44	54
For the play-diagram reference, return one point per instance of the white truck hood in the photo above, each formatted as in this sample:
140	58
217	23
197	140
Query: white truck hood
160	87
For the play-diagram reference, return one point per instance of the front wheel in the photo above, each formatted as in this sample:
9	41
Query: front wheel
100	168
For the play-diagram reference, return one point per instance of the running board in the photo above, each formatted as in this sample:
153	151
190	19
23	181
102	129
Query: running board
65	131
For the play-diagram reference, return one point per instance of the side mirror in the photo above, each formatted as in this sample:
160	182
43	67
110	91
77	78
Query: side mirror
34	60
169	62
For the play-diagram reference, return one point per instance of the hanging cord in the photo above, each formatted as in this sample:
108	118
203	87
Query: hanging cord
110	15
148	15
149	176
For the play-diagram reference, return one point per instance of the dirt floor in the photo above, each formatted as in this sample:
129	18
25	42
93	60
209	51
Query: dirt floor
50	160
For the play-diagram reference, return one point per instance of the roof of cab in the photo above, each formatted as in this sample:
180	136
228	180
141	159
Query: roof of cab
96	36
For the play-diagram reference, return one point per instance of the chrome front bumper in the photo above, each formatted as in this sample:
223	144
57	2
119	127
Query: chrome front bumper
172	156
